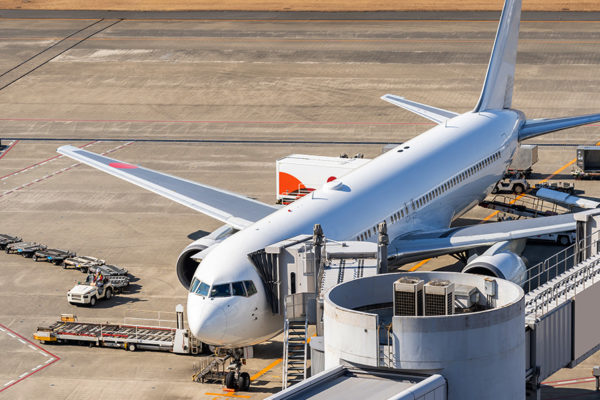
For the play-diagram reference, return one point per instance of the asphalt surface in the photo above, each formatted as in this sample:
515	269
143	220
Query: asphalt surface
217	100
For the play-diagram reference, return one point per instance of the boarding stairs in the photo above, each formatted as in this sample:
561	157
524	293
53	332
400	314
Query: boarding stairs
523	206
294	351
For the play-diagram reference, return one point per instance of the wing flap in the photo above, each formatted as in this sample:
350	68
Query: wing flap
231	208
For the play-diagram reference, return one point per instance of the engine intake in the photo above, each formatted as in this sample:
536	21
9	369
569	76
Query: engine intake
500	261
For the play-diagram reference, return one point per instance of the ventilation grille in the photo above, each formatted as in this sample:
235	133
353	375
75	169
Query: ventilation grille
439	298
408	297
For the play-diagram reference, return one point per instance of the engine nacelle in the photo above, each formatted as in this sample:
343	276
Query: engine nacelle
500	261
186	265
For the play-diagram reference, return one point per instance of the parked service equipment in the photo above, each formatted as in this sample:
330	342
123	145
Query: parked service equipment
5	240
516	184
90	291
128	337
565	187
26	249
55	256
108	270
82	263
525	156
588	162
300	174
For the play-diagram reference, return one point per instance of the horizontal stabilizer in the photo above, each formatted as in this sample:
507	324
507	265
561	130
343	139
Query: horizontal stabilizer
434	114
537	127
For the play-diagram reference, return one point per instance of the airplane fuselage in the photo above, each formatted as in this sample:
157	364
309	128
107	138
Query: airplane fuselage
422	184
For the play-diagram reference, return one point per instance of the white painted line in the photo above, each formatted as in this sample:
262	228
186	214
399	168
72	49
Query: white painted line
38	367
2	329
23	374
22	341
32	348
8	383
44	354
10	334
50	359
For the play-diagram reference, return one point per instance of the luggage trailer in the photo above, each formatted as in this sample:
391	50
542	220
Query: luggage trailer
128	337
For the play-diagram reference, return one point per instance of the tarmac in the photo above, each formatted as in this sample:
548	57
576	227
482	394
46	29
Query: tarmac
218	101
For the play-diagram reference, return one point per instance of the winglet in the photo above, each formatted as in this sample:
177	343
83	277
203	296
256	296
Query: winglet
498	87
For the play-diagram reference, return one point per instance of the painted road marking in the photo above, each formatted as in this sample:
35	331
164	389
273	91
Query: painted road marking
569	381
265	369
60	171
22	341
33	347
10	334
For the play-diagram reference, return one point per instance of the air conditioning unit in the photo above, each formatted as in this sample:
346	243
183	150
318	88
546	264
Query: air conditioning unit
408	297
439	297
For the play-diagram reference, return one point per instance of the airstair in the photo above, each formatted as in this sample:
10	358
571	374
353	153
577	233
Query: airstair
294	351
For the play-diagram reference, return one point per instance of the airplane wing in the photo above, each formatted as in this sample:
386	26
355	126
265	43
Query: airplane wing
422	245
233	209
437	115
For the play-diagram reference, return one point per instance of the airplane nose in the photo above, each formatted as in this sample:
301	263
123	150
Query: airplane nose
206	320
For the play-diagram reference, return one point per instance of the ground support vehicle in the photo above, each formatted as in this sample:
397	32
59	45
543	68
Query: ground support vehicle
55	256
128	337
523	159
560	238
5	240
108	270
82	263
90	292
565	187
26	249
516	184
588	163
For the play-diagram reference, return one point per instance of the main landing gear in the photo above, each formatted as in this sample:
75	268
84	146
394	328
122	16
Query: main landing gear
235	379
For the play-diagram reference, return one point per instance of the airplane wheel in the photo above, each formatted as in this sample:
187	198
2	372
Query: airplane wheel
518	189
563	240
244	381
230	380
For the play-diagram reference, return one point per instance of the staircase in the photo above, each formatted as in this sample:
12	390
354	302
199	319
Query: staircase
294	351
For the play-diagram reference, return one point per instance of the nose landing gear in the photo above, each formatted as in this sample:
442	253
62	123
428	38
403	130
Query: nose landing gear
235	379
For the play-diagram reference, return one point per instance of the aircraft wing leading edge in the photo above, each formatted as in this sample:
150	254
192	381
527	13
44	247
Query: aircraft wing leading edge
233	209
416	247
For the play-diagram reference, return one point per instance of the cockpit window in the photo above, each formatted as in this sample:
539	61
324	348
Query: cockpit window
199	287
250	288
238	289
223	290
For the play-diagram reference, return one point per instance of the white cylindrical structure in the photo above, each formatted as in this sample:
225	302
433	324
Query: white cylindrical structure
481	354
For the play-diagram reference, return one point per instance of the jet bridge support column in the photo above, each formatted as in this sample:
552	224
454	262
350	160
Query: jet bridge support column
318	241
382	253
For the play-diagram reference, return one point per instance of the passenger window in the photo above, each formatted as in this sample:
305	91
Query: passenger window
250	288
238	289
202	289
223	290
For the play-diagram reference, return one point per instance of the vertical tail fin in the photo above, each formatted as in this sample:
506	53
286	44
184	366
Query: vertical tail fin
498	87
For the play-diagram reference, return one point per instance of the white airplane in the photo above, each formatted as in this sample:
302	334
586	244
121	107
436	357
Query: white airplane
418	188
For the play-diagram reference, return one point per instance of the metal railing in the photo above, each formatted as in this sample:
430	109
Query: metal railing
562	276
559	263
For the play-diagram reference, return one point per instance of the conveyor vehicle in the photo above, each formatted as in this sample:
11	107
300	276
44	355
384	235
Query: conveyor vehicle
7	239
55	256
90	291
26	249
128	337
82	263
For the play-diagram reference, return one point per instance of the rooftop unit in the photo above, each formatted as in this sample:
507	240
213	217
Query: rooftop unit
408	297
439	297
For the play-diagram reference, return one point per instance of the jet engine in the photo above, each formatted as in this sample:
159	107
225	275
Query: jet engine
502	260
188	259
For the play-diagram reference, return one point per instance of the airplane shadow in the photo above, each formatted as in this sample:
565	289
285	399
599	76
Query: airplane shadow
197	235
